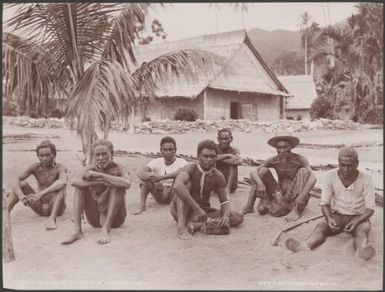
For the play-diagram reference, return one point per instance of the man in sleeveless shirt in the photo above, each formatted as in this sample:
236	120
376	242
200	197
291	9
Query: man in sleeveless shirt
51	179
190	207
157	177
100	192
228	159
290	195
347	200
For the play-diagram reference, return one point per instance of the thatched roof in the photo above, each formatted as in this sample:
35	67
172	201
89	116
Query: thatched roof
243	71
302	88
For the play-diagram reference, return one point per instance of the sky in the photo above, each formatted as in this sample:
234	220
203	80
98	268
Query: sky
185	20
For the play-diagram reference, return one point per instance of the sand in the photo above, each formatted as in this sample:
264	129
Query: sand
145	252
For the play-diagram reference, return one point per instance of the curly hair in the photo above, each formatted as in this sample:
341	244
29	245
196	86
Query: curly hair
46	144
207	144
103	142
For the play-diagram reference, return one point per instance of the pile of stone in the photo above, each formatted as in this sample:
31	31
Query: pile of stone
174	127
27	122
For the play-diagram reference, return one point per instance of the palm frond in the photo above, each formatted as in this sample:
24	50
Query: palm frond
101	94
188	63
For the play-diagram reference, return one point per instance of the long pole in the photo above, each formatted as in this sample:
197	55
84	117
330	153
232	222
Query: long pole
8	251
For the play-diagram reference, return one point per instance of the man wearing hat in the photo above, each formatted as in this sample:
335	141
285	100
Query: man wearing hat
346	202
289	196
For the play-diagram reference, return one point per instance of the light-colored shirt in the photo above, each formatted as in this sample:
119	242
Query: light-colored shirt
160	168
352	200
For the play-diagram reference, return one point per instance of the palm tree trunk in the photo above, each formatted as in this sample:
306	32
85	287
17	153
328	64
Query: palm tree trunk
305	54
132	120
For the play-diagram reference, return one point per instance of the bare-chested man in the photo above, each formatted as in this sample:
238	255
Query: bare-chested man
290	195
100	193
51	178
346	201
158	175
191	206
228	159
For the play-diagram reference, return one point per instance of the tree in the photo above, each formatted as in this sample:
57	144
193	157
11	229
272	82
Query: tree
357	49
84	52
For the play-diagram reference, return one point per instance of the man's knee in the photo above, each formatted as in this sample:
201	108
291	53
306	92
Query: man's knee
262	171
362	228
322	228
236	219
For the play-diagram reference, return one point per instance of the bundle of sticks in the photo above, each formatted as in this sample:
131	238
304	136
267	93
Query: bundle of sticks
379	197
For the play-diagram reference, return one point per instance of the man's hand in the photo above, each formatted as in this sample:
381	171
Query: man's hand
33	198
90	174
155	178
333	224
224	221
301	201
24	200
200	213
261	191
351	226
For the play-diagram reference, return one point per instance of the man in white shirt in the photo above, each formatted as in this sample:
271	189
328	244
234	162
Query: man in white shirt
158	175
347	198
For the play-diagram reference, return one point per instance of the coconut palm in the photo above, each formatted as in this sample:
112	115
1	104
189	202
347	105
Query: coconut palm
84	52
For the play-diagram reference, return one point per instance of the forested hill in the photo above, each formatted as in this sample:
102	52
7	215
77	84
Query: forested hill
274	44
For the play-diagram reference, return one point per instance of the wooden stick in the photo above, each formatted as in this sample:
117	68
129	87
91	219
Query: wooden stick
8	251
277	237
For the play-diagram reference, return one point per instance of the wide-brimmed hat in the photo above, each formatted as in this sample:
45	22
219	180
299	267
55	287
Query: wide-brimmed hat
294	141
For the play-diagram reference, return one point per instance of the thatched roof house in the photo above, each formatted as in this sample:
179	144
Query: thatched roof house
303	91
244	87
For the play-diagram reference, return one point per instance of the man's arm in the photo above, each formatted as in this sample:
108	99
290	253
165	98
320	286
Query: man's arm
224	202
173	174
123	181
309	183
16	182
231	159
255	176
181	190
326	210
58	184
145	173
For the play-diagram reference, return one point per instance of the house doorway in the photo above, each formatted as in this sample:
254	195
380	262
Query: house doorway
235	112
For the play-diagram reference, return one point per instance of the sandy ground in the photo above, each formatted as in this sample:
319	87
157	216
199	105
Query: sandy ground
145	253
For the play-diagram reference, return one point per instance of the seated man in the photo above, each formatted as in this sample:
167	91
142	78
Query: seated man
289	196
228	159
347	195
159	174
193	186
100	193
51	179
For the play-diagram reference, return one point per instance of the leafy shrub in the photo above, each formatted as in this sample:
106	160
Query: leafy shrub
185	114
375	116
321	108
56	113
298	118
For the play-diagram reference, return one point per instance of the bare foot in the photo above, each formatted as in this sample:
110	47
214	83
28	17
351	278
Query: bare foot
366	252
183	233
262	208
104	236
292	216
51	224
139	210
73	238
295	245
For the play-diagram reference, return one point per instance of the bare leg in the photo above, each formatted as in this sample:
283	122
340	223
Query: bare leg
114	205
232	180
364	249
182	210
78	210
58	207
13	199
249	208
317	237
144	191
